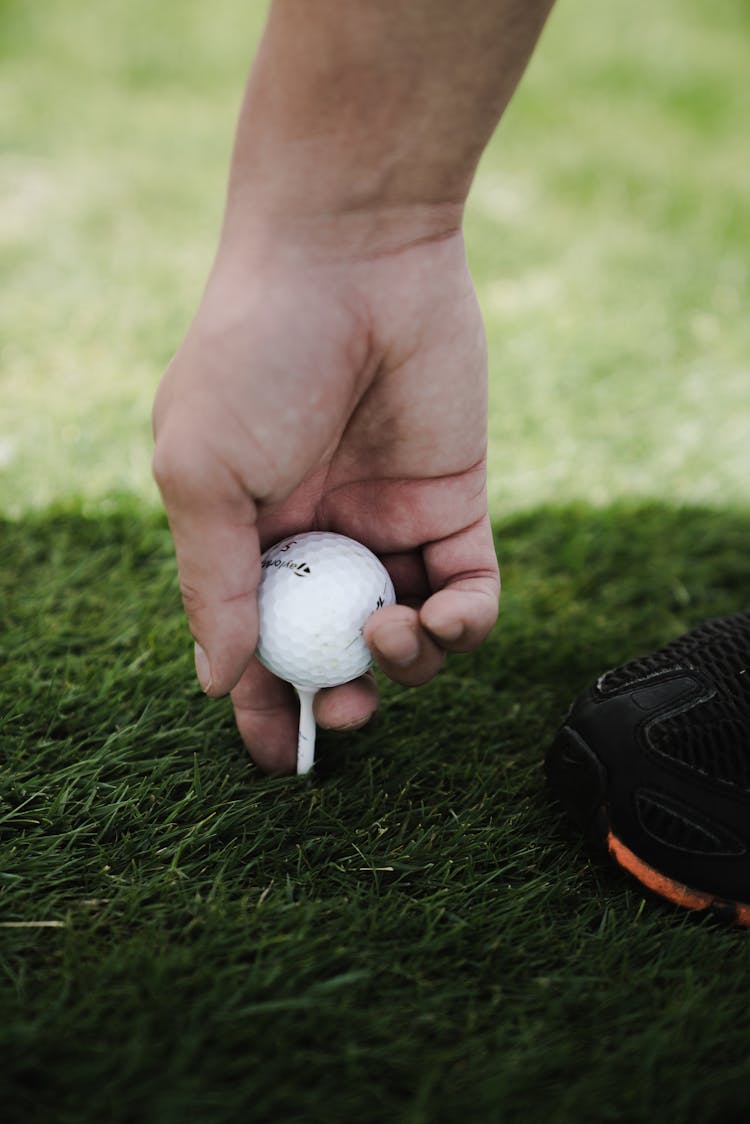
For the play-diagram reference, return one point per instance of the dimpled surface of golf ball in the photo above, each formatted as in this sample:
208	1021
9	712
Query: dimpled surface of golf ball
316	591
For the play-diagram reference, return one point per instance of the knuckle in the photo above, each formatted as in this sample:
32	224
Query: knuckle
183	468
169	464
491	608
193	600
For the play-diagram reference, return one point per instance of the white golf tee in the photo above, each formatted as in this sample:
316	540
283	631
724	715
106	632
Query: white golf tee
306	736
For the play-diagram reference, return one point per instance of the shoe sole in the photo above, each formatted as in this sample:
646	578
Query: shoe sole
579	781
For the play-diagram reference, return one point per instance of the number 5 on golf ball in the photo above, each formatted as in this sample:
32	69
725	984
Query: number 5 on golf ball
316	591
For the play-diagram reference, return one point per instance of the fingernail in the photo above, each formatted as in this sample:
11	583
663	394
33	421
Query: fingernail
409	652
449	632
203	669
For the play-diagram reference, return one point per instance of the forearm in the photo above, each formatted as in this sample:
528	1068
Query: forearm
364	108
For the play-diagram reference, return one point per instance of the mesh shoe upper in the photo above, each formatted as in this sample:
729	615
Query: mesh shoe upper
713	735
656	756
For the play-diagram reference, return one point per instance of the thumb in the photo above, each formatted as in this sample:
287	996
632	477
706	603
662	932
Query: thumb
213	524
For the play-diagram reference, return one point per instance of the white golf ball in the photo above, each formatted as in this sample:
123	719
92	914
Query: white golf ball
316	591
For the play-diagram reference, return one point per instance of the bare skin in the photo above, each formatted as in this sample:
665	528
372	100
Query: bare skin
335	374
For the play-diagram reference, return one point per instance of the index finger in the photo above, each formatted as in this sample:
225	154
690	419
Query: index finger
213	524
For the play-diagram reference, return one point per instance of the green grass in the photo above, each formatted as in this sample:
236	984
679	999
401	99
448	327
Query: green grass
413	934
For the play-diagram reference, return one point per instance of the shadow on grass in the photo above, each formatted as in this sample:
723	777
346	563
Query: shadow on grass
211	940
581	585
98	667
98	663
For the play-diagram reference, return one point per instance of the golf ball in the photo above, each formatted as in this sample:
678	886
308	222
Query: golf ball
316	591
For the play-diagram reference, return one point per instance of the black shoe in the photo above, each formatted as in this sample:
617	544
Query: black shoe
654	760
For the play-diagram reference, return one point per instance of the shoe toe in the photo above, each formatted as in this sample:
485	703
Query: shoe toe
654	759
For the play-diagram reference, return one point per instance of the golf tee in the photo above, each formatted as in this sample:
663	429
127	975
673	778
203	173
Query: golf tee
306	737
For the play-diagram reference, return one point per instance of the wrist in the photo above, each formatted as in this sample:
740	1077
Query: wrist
363	122
344	137
274	233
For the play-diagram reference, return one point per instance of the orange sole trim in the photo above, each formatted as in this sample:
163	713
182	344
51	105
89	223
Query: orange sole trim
675	892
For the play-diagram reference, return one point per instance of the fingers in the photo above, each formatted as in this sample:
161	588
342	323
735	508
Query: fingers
409	644
267	714
401	647
349	706
218	557
464	572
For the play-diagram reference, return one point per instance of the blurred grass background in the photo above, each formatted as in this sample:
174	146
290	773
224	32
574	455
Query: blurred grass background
608	231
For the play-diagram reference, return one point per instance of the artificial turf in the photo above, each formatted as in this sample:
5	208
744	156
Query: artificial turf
413	933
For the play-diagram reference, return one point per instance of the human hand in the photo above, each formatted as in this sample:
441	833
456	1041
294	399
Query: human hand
335	393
